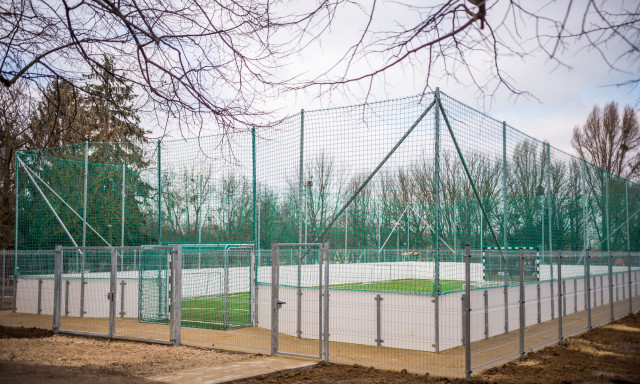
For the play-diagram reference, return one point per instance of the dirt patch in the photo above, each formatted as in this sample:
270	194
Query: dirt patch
36	354
24	333
607	354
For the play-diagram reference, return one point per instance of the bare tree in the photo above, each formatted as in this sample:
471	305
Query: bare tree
15	110
610	141
190	61
197	61
468	41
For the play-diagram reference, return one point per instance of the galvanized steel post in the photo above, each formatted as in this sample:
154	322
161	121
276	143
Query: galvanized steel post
467	311
630	284
112	292
559	297
225	288
275	282
57	289
176	295
611	317
327	260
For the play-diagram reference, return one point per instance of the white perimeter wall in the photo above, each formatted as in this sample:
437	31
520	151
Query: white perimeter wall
407	321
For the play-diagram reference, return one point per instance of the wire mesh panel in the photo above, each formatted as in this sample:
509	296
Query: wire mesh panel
216	295
220	299
298	314
33	274
7	279
86	283
142	293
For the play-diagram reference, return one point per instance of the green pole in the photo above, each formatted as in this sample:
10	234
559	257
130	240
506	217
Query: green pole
15	229
626	195
436	231
550	229
256	246
84	204
504	184
159	194
606	207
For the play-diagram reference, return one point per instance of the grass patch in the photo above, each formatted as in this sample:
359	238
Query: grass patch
208	312
423	286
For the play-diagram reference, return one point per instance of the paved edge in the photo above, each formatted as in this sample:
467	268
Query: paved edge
247	370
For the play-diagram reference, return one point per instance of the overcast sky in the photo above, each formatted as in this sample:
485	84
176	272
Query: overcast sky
562	98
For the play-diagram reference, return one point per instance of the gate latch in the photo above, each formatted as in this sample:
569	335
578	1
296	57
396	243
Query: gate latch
110	296
279	303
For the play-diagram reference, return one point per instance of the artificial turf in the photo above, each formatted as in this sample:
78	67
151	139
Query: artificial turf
208	312
423	286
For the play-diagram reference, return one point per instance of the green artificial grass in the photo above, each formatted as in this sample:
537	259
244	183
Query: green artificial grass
208	312
423	286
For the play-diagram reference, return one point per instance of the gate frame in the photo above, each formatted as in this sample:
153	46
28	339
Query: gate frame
323	299
175	269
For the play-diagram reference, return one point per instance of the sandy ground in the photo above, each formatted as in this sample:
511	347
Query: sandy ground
30	355
607	354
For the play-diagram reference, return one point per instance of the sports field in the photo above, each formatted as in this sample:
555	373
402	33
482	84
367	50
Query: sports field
209	312
415	286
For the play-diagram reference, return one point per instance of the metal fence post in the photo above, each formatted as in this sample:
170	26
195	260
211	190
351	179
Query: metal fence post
66	297
275	281
588	288
39	296
522	314
176	294
327	260
122	285
467	310
611	317
564	298
630	295
486	313
83	282
617	286
379	340
225	287
539	304
252	288
575	296
57	289
506	305
15	295
560	297
113	286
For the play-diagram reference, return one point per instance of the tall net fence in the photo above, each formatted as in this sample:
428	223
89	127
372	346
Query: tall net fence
395	188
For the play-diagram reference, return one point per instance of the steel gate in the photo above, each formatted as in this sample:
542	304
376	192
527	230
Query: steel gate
305	283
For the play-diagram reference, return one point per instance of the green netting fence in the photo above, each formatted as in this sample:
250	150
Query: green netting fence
400	181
